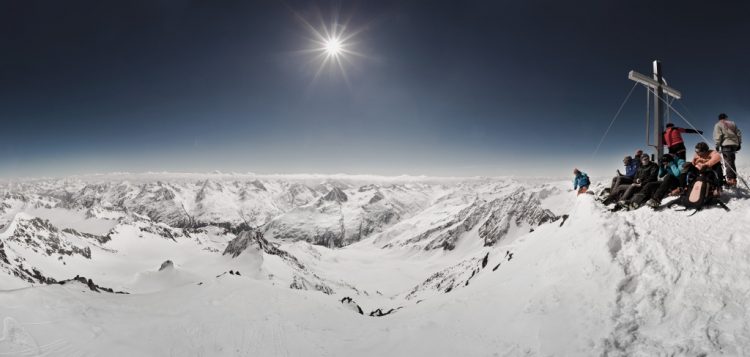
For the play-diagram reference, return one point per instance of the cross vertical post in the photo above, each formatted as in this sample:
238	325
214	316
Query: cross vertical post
659	109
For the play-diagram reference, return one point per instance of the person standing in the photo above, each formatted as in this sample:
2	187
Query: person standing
728	139
673	139
581	182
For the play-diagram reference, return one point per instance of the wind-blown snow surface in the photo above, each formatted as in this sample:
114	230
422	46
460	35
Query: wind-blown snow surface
472	267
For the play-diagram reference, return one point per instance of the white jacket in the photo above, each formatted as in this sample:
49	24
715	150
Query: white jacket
726	133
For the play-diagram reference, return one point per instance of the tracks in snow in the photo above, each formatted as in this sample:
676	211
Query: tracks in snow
685	291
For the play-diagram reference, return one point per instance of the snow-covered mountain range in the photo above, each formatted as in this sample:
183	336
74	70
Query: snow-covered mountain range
226	264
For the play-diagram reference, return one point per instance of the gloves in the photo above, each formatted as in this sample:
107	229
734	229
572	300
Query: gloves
700	132
718	148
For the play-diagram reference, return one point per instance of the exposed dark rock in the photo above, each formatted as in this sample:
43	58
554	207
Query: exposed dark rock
244	240
329	239
37	233
91	285
349	301
495	219
335	195
254	237
163	231
379	312
259	185
485	260
100	239
376	197
301	283
3	255
166	265
518	207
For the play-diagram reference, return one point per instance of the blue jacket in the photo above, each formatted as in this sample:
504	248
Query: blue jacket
673	168
581	180
631	168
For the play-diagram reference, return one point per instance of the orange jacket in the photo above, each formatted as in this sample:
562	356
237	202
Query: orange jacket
708	160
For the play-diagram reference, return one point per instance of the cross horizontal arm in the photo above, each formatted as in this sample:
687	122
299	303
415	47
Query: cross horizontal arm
648	81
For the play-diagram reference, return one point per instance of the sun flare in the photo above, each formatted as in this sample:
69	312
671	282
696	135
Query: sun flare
333	47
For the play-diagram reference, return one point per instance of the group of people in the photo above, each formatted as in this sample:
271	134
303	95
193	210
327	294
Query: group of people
645	182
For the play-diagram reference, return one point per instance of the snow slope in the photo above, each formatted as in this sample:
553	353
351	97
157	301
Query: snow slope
597	283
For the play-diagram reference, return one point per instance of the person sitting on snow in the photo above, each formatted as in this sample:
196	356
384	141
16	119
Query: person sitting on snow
648	172
705	160
581	182
637	157
673	179
631	167
673	139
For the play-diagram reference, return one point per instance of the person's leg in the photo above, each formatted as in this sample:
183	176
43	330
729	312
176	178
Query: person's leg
668	184
615	182
618	192
625	180
732	157
719	179
729	156
650	188
645	193
687	175
678	150
632	190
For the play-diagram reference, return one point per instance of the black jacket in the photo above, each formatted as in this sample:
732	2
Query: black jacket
648	173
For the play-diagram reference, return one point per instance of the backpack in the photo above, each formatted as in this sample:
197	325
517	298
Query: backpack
703	191
585	180
699	194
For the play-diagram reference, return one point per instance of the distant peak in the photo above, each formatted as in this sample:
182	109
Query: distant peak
336	195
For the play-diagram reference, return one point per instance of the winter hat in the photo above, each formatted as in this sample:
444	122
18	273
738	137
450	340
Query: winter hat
669	125
645	158
576	172
667	157
639	153
722	116
627	159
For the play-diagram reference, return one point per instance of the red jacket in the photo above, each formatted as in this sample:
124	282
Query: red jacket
672	136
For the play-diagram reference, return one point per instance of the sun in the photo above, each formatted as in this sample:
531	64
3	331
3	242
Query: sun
333	47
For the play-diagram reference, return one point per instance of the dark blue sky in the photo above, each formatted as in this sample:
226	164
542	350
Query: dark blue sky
443	88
